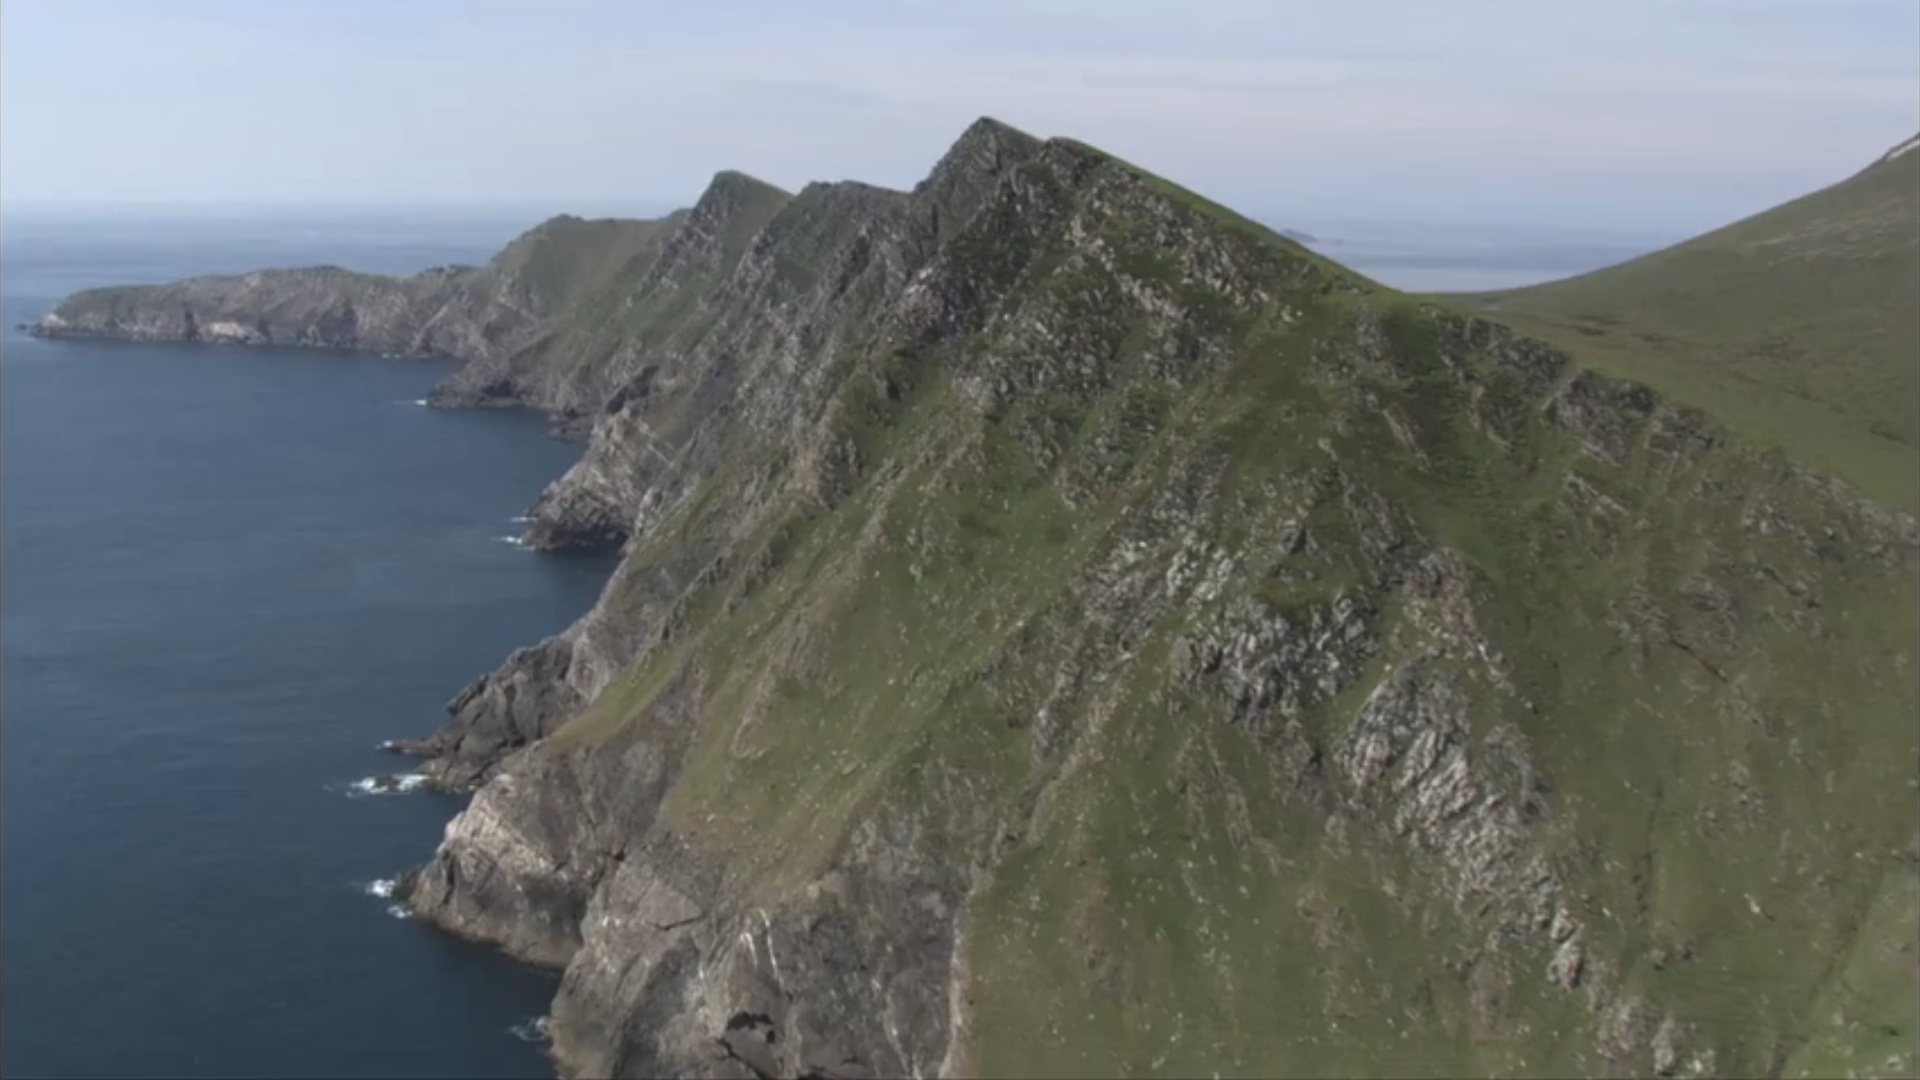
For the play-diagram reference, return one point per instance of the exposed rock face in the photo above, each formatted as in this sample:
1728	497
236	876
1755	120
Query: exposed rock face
641	297
519	322
1064	628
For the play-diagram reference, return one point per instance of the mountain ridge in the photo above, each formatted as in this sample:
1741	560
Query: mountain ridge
669	882
1065	628
1900	149
1795	325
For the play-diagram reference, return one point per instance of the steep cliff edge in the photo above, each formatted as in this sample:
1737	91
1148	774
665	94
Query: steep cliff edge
1067	629
535	325
586	350
805	287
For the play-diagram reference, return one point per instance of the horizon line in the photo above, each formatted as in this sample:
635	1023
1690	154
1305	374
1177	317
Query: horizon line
644	208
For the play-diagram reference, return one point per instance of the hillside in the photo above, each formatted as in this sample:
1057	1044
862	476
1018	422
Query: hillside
464	311
1798	326
539	325
1065	628
623	306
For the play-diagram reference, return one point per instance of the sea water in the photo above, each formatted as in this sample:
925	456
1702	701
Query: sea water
225	576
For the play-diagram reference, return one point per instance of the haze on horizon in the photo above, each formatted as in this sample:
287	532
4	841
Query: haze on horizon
1666	115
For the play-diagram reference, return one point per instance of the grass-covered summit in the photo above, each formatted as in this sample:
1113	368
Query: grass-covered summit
1065	628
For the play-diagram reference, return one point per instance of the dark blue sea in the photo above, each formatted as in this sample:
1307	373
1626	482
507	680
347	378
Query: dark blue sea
225	576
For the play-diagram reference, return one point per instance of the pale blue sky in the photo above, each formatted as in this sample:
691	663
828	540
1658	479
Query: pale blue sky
1654	114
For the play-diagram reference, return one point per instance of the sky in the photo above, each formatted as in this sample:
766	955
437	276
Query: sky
1653	115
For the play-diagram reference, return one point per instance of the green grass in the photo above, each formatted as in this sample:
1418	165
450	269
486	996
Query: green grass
1797	327
1864	1023
757	203
564	260
616	303
1233	222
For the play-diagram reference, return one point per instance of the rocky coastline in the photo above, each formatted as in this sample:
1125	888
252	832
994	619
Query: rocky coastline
771	819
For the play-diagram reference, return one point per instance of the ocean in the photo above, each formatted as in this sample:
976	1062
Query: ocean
1426	256
225	577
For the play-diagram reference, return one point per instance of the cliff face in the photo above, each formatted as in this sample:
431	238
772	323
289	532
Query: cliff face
325	307
583	352
1067	629
536	325
811	283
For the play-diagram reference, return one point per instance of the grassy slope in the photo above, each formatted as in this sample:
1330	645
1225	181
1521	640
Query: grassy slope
1862	1022
1178	906
565	259
1797	327
608	317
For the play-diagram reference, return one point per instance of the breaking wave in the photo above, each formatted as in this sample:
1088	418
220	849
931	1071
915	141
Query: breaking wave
533	1030
395	784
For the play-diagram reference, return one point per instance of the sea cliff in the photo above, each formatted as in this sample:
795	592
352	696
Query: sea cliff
1066	628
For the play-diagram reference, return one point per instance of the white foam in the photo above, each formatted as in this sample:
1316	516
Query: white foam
399	911
422	402
382	888
523	519
516	541
533	1030
397	784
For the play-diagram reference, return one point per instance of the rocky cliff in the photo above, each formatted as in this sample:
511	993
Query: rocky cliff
542	325
1067	629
